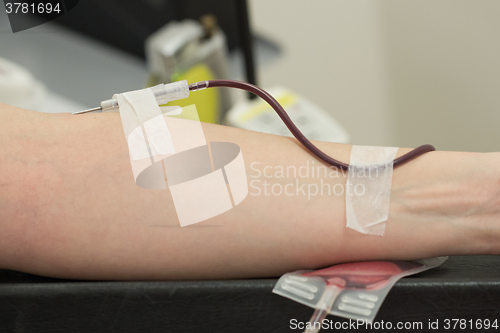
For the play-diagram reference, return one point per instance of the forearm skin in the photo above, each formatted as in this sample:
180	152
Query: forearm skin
69	208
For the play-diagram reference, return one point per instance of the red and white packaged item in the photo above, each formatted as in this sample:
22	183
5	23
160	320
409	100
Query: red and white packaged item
351	290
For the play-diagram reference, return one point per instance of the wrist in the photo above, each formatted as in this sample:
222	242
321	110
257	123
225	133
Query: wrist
452	193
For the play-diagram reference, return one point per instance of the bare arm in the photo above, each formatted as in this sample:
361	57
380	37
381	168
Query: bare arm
69	207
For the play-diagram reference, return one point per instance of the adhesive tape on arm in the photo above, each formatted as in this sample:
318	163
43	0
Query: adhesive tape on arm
368	188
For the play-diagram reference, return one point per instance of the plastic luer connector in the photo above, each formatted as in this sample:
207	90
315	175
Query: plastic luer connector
109	105
164	93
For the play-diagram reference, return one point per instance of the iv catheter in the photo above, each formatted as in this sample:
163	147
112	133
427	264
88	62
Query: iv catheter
170	92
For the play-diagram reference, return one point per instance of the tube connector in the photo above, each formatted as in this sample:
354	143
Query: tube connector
165	93
198	86
109	105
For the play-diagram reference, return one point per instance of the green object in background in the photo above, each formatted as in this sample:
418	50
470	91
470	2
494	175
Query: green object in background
207	100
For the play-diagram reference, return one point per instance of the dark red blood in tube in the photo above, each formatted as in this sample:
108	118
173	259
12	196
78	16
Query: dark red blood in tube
294	129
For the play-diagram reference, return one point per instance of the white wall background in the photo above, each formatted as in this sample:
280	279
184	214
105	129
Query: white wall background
393	72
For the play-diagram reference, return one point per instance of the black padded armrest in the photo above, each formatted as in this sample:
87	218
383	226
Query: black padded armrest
462	288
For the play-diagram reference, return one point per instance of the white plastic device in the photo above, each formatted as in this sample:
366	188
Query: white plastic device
19	88
164	93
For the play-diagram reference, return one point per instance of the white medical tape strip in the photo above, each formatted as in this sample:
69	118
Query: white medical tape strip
141	115
368	188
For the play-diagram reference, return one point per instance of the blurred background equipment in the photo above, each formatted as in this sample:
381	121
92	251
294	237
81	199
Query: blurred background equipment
126	24
184	40
100	45
193	51
19	88
314	122
391	72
